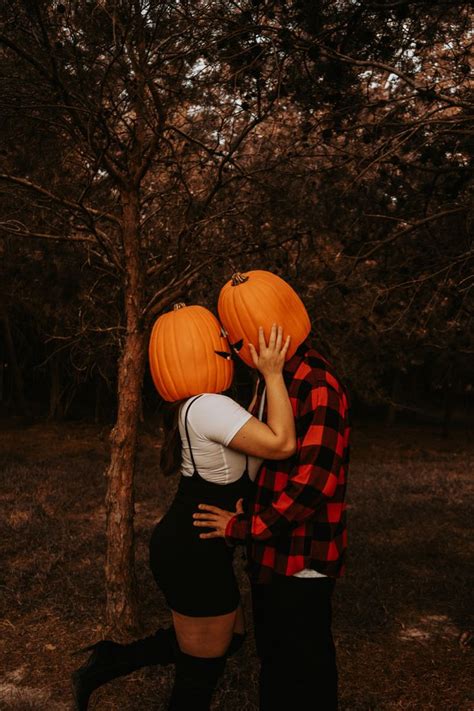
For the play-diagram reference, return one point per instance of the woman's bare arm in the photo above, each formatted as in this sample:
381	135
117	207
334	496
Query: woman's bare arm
276	439
254	395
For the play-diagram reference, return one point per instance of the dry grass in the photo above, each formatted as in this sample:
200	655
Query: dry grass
400	613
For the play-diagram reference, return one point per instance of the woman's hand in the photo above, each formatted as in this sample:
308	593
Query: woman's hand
270	359
215	518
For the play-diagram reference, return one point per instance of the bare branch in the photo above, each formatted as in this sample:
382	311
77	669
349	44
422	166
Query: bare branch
426	90
76	207
11	227
407	230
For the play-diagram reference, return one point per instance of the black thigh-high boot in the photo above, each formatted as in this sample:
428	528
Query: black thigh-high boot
195	681
110	660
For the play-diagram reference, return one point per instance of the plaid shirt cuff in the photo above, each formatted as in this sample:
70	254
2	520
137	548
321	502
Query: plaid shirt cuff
237	530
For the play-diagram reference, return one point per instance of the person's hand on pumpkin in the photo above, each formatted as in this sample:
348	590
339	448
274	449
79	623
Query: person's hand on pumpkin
216	519
270	358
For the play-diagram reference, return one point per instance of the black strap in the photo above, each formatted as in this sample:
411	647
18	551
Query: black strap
195	471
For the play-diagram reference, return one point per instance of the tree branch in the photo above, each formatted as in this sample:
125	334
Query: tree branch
77	207
407	230
393	70
12	230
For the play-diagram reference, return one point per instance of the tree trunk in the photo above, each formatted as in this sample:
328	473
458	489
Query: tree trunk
122	614
17	378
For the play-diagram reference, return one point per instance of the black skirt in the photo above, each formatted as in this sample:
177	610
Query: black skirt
196	575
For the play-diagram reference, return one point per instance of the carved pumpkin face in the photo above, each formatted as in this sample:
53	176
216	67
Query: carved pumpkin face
189	354
260	298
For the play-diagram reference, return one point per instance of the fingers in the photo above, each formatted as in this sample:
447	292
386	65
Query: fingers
286	345
279	339
208	507
209	522
275	340
272	340
239	509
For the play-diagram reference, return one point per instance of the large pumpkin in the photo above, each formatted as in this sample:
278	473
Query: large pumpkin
260	298
189	354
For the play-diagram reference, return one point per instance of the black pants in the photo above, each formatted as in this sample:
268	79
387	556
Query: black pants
292	620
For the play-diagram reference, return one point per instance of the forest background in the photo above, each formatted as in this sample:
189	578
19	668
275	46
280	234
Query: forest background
151	149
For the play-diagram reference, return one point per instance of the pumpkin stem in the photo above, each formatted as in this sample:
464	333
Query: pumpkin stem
238	278
179	305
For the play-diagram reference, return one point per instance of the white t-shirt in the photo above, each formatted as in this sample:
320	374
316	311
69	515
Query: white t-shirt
213	421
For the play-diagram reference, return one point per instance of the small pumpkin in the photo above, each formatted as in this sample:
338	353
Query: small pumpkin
260	298
189	354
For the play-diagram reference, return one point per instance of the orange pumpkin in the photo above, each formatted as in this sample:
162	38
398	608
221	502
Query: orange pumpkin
189	354
260	298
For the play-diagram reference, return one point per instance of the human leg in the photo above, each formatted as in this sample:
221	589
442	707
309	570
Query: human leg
110	660
239	634
200	661
292	620
204	636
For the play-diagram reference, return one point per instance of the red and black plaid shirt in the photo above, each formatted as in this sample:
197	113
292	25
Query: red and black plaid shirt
297	518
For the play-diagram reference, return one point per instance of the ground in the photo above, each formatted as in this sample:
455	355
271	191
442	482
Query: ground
402	612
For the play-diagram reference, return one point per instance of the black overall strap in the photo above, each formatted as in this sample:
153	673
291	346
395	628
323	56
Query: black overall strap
195	471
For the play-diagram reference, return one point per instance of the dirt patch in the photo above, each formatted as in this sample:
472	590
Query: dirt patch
403	613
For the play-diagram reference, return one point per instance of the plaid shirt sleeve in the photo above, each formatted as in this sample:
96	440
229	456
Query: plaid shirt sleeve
313	479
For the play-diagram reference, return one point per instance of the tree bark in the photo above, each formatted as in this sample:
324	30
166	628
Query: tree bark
122	612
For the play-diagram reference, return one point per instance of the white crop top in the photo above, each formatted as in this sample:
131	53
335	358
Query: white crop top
213	421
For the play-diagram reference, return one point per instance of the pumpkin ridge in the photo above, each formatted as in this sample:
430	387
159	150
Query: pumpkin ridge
243	330
220	362
293	301
178	328
194	329
261	295
280	297
151	357
269	299
169	354
182	354
159	351
206	328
